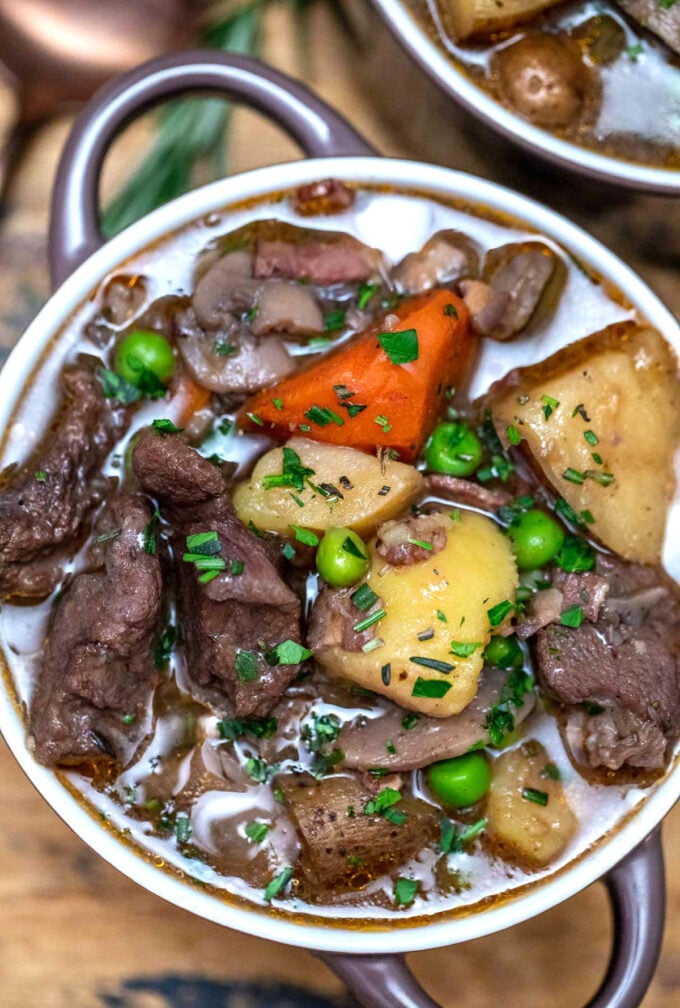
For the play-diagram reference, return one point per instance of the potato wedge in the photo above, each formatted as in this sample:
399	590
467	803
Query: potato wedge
474	572
529	831
464	18
619	402
361	480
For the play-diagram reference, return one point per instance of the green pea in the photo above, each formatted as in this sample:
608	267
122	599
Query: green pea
536	537
342	558
453	449
145	359
460	781
504	652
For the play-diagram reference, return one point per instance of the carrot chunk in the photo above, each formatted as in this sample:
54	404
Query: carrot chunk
384	389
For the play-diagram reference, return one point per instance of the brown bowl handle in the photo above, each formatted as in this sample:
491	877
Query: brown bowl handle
638	898
74	222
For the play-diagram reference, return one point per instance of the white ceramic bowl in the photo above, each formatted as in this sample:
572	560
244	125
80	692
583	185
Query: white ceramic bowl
72	236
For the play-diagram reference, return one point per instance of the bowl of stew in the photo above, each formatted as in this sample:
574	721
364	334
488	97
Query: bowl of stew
337	548
591	87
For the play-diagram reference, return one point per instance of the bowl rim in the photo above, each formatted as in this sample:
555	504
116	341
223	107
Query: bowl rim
563	153
313	935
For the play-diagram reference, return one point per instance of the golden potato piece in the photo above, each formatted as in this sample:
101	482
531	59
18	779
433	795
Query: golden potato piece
614	432
371	492
464	18
474	572
530	831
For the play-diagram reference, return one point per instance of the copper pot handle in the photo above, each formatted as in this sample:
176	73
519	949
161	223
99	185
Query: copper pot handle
74	221
638	898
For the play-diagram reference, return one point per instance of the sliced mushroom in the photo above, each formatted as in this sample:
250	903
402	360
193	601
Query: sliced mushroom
445	257
365	741
523	270
487	306
225	288
285	306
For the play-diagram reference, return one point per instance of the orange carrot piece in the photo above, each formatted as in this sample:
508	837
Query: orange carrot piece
401	402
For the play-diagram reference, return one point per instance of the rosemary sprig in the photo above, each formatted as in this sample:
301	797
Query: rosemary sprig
190	143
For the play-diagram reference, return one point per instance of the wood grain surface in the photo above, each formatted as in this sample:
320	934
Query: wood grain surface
74	933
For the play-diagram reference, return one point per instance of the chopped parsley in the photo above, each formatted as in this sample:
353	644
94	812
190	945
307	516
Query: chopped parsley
115	387
635	50
164	646
288	652
462	649
453	842
451	310
255	419
574	476
353	409
278	403
572	616
246	666
257	831
166	427
537	797
383	422
591	437
41	476
304	535
288	551
221	348
500	720
363	597
410	720
258	770
230	729
334	320
441	616
322	416
365	293
575	555
435	689
278	884
383	805
551	772
405	890
401	346
549	405
499	612
514	436
293	474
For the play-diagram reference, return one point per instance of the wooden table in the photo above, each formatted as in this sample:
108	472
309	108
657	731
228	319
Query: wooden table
74	933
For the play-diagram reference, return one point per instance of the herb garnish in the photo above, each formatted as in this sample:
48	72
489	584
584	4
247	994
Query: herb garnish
432	663
246	666
405	890
164	646
450	310
435	689
575	555
349	546
365	293
115	387
514	436
462	649
288	652
230	729
551	772
550	405
499	612
532	795
591	437
166	427
572	617
322	416
368	621
386	674
410	720
257	831
40	475
401	346
363	597
383	805
334	320
294	473
500	720
304	535
278	884
453	842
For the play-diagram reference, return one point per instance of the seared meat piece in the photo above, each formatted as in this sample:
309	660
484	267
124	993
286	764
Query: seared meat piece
487	306
626	663
522	271
544	608
662	19
333	258
614	737
97	674
231	623
398	540
461	491
444	258
327	196
339	840
365	741
45	503
587	590
331	622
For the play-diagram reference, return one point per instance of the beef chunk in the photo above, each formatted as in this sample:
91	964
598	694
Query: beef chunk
626	664
332	259
45	503
327	196
232	623
587	590
612	736
97	674
331	622
462	491
398	540
340	840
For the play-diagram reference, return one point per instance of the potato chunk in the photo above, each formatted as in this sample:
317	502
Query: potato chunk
464	18
368	493
614	432
474	572
533	832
